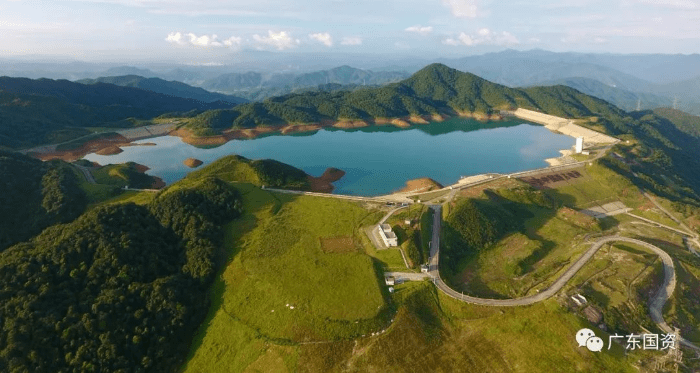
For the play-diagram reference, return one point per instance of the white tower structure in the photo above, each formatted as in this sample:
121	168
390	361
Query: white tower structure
579	145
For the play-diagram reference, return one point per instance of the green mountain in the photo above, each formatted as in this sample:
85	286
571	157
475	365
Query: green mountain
34	112
118	289
626	99
170	88
258	172
687	123
439	89
35	195
255	86
434	89
233	82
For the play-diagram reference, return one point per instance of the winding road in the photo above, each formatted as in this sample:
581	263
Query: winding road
655	306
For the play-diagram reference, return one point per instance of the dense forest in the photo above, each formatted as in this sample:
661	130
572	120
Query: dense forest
34	112
260	172
116	290
434	89
668	140
34	195
171	88
474	225
666	159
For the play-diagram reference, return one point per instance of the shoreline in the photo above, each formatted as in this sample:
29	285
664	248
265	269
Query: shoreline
327	187
289	128
108	144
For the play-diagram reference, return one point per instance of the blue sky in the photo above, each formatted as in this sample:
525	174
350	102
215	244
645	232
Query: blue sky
209	30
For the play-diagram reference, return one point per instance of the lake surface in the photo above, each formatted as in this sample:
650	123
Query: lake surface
377	160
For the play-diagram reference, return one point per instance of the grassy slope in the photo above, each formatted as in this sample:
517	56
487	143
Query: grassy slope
619	280
258	172
429	332
276	259
528	258
435	333
123	174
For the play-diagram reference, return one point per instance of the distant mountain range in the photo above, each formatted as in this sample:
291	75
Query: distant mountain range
436	89
256	75
170	88
41	111
256	86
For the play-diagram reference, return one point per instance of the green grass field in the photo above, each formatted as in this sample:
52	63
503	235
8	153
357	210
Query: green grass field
529	257
599	185
281	286
618	281
434	333
524	262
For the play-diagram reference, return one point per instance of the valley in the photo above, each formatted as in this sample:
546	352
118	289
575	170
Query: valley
279	275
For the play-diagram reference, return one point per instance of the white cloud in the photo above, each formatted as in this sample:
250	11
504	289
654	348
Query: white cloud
450	41
323	38
175	38
506	39
462	8
201	41
204	40
280	40
484	37
351	41
423	30
466	39
233	41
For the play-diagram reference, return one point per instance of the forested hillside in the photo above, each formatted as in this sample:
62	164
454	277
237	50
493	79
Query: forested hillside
117	290
667	158
34	195
34	112
435	89
475	224
252	84
260	172
170	88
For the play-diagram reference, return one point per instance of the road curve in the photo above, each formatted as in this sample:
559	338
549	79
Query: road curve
86	172
656	304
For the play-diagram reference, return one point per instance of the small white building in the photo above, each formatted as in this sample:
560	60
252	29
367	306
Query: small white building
389	280
579	145
424	268
388	236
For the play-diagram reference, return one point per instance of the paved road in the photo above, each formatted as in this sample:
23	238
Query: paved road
407	276
86	172
388	214
694	237
655	307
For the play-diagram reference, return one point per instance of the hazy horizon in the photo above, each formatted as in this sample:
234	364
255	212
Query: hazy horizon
213	32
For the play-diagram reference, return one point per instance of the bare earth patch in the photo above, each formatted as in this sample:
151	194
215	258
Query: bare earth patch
553	179
324	183
110	150
342	244
89	147
424	184
192	163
